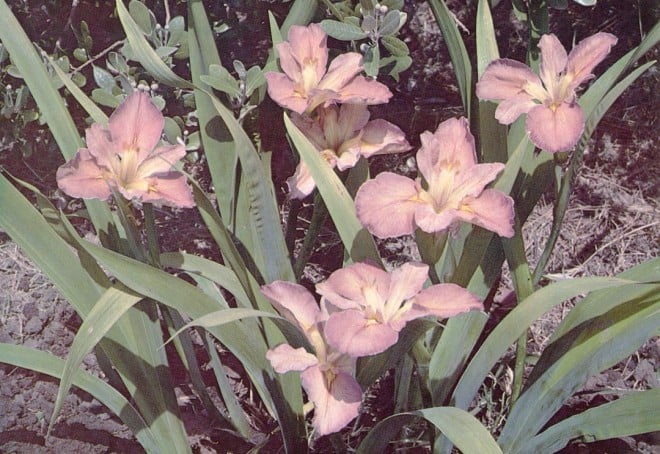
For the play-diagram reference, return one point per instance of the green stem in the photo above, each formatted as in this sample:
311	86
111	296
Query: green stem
559	210
335	12
514	249
133	246
537	17
318	218
431	246
291	225
152	235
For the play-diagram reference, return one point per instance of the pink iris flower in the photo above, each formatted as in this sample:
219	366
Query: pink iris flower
368	306
328	376
343	134
555	121
306	84
393	205
125	158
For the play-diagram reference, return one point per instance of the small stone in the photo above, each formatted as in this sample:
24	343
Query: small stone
34	325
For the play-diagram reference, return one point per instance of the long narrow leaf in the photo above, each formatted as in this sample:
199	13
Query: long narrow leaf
104	314
457	51
220	274
463	429
636	413
600	344
219	146
145	54
51	105
514	324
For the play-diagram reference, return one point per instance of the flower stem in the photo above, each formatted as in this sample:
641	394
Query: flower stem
291	225
514	248
132	246
152	235
318	218
559	210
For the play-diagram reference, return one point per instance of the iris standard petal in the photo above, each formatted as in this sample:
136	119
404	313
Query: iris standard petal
309	48
341	71
472	181
136	124
162	159
587	55
553	60
100	145
406	281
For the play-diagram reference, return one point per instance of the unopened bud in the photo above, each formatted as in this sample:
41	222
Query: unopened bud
154	86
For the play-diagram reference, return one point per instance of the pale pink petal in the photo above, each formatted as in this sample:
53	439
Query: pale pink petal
406	281
350	332
587	55
431	221
341	71
311	129
555	130
308	46
294	302
336	403
451	144
285	358
83	177
170	189
510	109
345	287
100	145
553	59
361	90
382	137
282	90
492	210
136	124
446	300
288	61
348	157
162	159
352	118
386	205
505	79
472	181
457	143
301	184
